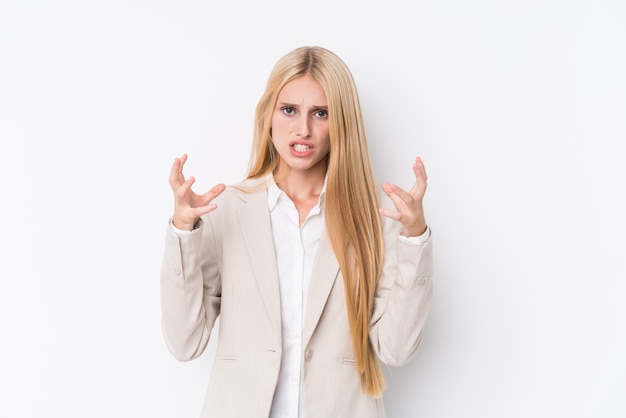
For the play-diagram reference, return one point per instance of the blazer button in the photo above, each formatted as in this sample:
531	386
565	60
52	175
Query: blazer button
175	269
421	281
308	354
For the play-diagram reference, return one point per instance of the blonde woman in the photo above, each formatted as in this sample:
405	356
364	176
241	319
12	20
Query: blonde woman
315	283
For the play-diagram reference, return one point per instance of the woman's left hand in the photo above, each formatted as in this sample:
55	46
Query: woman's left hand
409	210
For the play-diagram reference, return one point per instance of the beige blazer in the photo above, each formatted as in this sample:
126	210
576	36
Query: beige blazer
227	268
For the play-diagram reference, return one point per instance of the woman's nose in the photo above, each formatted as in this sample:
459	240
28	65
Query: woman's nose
303	128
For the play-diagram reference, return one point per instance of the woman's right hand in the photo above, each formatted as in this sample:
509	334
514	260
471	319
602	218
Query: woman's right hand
188	205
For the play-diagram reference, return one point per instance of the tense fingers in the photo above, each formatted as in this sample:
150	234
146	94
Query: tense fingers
397	194
419	169
408	205
176	178
188	205
215	191
203	203
421	178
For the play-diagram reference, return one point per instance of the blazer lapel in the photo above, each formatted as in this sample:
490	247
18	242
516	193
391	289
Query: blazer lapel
257	231
323	276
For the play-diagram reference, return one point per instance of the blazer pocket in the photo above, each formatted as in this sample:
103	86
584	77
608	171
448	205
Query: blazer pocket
219	357
349	361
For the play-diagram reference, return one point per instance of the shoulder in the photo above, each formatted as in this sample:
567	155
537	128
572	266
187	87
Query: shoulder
243	192
243	200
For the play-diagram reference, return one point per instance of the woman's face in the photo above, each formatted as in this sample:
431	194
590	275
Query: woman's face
300	125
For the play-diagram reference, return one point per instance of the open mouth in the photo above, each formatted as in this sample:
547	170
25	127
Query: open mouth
301	147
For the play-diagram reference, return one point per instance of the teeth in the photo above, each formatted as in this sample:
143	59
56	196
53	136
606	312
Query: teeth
301	148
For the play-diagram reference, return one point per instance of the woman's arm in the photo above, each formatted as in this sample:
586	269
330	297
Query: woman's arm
190	280
403	297
190	291
404	292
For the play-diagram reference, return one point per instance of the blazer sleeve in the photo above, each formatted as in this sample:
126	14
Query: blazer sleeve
190	290
403	297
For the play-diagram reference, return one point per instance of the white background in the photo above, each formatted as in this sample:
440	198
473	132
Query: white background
518	109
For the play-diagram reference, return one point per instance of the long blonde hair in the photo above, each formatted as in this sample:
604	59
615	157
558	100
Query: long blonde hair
351	204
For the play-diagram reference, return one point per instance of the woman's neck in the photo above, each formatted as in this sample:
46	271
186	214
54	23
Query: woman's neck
301	185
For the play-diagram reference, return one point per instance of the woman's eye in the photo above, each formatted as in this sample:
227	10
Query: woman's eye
288	110
321	114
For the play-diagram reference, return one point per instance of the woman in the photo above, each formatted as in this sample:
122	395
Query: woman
312	285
